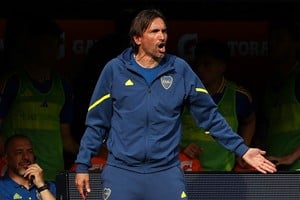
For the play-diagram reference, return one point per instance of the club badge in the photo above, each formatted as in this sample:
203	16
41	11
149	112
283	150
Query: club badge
106	193
166	81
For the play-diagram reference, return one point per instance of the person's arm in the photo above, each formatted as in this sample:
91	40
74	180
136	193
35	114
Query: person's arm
66	116
98	122
8	92
35	173
246	114
255	158
247	128
287	159
47	195
69	143
246	118
206	115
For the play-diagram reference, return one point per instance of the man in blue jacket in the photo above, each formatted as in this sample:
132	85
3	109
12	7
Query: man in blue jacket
24	178
136	107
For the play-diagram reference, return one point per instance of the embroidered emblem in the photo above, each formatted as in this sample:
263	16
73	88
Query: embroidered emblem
106	193
129	83
183	195
17	196
166	81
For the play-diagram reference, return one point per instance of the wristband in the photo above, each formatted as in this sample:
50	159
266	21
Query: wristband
42	188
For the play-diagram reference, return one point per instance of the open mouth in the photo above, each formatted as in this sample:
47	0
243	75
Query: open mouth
25	165
161	45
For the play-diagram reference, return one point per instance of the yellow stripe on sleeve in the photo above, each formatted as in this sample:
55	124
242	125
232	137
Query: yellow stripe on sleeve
201	90
98	101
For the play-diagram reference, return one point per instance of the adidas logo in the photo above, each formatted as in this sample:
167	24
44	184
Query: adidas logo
17	196
129	83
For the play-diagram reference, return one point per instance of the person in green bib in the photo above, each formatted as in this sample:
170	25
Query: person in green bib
234	103
36	101
281	105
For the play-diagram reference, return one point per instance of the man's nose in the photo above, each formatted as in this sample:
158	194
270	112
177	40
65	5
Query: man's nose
162	35
25	155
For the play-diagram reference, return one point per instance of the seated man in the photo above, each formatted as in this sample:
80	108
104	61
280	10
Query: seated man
23	178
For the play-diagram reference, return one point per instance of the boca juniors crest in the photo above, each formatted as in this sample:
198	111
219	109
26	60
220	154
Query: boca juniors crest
166	81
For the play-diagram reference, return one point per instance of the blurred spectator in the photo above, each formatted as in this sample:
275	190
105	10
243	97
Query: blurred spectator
234	103
281	104
24	178
36	101
100	53
189	164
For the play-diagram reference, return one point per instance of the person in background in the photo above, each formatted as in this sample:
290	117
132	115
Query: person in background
234	103
281	103
99	54
137	105
24	178
189	164
37	101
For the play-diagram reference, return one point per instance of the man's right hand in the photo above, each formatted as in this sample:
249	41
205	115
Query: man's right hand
82	181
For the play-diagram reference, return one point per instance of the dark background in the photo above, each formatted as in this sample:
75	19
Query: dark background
173	9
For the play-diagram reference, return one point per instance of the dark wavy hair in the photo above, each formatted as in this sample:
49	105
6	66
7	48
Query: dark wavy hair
141	22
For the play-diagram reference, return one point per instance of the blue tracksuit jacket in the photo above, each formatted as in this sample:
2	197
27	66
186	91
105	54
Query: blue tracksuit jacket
142	123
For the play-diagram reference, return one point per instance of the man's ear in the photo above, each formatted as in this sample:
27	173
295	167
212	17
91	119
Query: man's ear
137	39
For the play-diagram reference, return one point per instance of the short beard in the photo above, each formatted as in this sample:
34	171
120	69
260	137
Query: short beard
17	171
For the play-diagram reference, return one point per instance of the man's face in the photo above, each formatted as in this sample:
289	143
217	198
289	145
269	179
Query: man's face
19	156
153	40
210	69
281	46
44	50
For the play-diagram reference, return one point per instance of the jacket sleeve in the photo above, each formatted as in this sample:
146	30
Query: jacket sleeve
98	120
206	115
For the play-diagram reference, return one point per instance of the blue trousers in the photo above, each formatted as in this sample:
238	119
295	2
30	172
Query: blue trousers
120	184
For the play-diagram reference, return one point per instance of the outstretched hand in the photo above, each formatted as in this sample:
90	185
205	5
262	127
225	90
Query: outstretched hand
255	158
